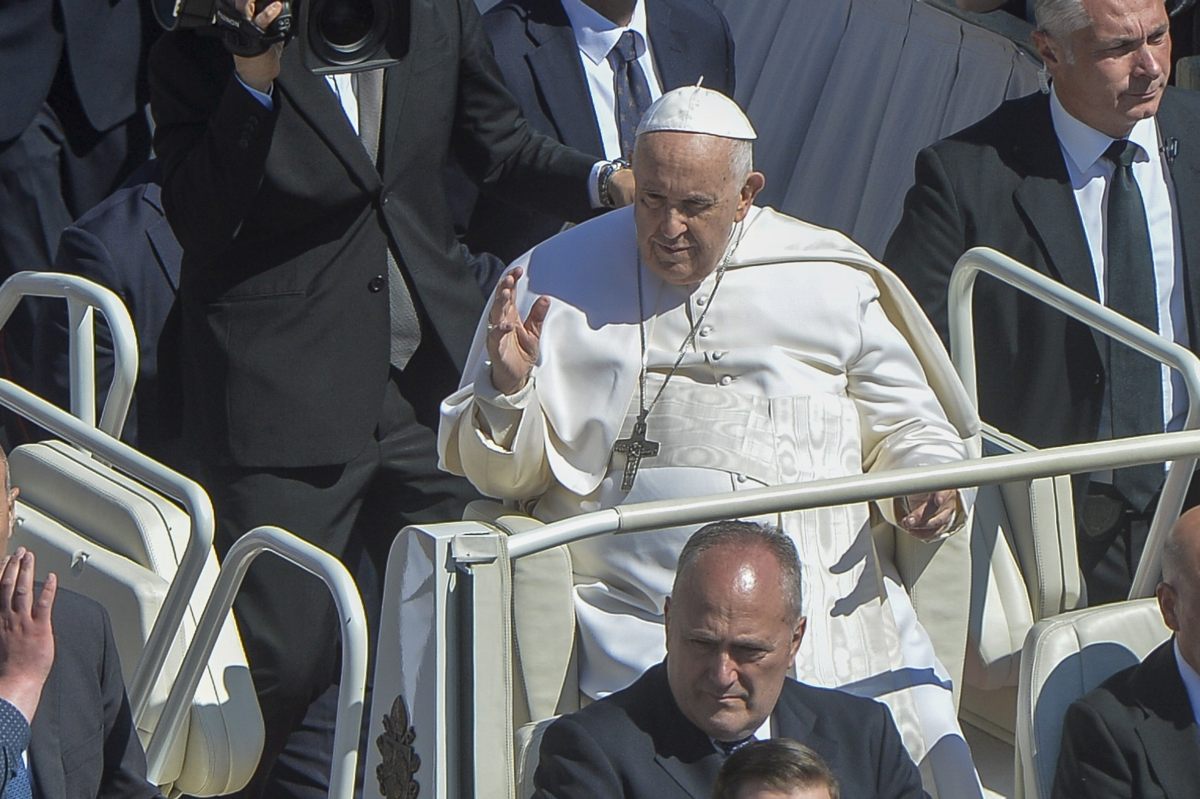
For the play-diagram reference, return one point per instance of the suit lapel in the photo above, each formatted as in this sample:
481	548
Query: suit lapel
162	240
677	65
558	72
45	754
1047	202
1168	731
793	719
1185	174
319	106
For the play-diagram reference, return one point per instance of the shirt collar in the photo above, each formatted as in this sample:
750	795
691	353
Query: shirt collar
1084	145
1191	680
596	34
763	733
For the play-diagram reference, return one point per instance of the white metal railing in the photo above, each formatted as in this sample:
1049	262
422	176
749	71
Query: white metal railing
353	627
166	481
83	296
1108	322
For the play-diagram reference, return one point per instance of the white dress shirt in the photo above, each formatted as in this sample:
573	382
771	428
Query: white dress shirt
596	36
1089	172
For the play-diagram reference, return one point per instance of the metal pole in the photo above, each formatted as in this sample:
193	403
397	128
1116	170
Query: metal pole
1107	321
354	648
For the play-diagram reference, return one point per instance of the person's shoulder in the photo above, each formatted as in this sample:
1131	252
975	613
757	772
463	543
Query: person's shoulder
1119	692
1181	101
514	15
630	707
702	11
998	127
73	608
833	703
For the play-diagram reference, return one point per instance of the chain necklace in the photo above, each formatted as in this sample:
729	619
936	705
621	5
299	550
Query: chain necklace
637	446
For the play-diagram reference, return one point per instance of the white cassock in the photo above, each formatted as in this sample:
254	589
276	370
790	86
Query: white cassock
796	374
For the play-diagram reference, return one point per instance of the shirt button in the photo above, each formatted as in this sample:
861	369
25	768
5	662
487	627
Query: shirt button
726	380
704	331
375	284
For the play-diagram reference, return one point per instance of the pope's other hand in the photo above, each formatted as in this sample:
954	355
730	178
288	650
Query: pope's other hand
928	516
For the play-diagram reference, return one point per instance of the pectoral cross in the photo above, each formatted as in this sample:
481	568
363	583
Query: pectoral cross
634	448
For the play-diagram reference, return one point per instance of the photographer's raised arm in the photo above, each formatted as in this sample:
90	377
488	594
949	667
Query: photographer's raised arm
212	135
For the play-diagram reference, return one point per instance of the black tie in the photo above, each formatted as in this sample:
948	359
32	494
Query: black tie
631	92
1135	381
729	747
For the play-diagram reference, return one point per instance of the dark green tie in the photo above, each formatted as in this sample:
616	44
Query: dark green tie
1134	380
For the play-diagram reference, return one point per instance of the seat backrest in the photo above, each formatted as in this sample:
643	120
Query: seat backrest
114	540
1064	658
1024	568
545	677
529	745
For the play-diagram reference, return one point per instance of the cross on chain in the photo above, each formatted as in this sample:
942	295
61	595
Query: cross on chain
634	448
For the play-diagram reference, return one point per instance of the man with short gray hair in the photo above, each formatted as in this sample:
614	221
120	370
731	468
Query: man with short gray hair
733	628
1094	183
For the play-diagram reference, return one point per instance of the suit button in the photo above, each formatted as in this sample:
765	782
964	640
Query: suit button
375	284
386	199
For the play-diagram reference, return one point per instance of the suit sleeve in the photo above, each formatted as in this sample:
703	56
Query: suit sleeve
572	765
124	774
497	147
929	239
1091	762
212	137
898	777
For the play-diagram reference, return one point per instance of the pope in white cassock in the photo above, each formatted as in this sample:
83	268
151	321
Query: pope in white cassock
696	344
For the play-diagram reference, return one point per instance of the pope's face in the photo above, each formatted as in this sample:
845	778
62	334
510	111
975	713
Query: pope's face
687	202
1112	73
731	638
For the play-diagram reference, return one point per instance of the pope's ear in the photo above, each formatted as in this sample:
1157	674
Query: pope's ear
750	189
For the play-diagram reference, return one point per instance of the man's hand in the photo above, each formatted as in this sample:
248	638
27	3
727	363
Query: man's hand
26	635
260	71
513	344
622	187
928	516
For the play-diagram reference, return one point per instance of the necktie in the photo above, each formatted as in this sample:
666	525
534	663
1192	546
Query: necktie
729	747
20	786
1135	381
402	314
630	90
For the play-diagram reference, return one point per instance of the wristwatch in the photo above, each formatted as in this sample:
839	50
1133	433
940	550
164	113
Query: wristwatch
605	181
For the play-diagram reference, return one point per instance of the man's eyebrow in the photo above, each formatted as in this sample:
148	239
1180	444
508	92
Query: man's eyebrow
1125	41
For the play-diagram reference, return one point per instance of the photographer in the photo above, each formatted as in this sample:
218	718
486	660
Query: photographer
326	310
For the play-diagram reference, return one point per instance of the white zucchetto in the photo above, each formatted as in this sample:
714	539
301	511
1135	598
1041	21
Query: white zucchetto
694	109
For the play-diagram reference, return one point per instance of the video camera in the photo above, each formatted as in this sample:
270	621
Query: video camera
333	35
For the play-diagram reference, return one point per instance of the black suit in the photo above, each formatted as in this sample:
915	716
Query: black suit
1134	737
124	244
289	399
83	744
539	59
637	744
1002	183
73	127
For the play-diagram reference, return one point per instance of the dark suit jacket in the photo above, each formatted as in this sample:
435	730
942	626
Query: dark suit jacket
1134	737
124	244
539	59
637	744
105	40
1002	183
83	744
284	223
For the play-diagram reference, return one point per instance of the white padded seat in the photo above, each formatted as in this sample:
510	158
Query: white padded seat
116	541
529	745
1063	659
1024	568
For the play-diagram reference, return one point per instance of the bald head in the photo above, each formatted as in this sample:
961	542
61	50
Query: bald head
1179	592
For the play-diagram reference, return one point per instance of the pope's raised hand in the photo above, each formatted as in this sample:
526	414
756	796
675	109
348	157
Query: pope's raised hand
512	343
928	516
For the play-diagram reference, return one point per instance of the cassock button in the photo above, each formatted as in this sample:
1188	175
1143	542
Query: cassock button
704	331
726	380
741	478
702	299
718	355
375	284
